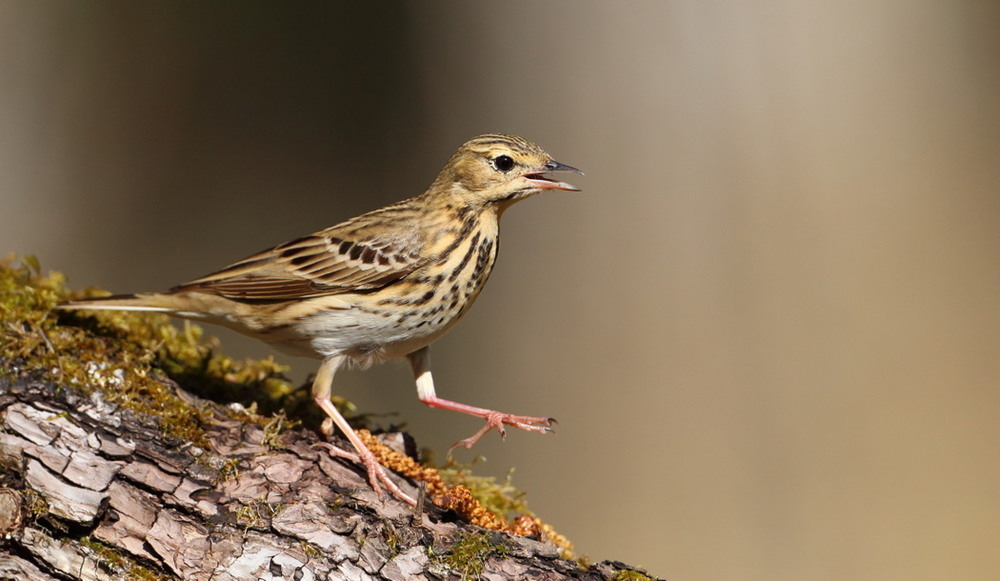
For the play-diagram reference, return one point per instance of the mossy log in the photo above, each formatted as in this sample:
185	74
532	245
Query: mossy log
111	469
89	491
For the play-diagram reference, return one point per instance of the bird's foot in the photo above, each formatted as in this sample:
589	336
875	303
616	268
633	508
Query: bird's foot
497	421
376	473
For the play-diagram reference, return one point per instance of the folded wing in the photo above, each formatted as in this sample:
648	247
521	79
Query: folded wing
314	266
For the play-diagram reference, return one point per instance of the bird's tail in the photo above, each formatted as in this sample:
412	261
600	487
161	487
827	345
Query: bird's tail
150	302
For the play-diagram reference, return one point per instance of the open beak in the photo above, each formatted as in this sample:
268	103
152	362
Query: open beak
541	182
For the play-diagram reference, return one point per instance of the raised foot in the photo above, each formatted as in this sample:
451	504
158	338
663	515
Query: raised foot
497	421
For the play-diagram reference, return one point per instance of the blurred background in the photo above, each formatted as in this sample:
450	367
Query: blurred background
768	326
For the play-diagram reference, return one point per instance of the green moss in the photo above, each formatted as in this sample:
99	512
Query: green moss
230	470
120	564
35	503
469	554
392	539
311	551
257	513
274	428
630	575
123	356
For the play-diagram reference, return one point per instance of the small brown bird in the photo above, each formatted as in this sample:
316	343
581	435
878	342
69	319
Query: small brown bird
382	285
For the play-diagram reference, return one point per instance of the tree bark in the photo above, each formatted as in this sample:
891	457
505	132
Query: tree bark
92	491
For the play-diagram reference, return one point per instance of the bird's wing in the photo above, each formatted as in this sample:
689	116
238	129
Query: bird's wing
317	265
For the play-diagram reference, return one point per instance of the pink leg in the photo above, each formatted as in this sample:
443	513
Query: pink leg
420	362
376	474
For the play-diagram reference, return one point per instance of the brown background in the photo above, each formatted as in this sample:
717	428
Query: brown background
769	326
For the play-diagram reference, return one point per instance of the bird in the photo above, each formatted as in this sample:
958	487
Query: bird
379	286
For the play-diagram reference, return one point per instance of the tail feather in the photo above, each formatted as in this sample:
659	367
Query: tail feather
151	302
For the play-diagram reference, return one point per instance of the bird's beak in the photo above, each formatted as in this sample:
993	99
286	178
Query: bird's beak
541	182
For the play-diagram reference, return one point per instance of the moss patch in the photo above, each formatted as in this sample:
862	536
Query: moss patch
124	356
630	575
469	554
120	564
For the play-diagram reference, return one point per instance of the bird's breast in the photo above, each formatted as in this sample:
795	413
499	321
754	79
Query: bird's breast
430	300
414	311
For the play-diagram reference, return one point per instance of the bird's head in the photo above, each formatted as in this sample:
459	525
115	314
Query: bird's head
499	169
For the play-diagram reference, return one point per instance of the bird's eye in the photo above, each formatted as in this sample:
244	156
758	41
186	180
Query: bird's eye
503	163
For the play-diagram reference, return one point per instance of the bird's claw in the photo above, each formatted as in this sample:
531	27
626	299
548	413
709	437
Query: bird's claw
497	421
376	473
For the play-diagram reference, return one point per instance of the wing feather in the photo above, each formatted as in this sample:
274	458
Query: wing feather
317	265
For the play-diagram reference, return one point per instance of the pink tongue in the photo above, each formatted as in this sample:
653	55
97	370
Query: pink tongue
547	184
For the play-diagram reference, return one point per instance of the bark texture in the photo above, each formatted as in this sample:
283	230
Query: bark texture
91	491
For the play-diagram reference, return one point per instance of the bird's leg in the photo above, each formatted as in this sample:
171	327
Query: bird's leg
420	362
321	394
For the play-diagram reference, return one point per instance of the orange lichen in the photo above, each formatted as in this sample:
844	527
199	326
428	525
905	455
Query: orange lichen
460	499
